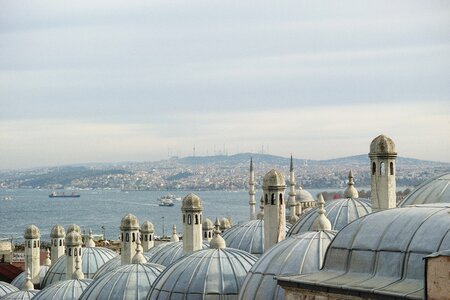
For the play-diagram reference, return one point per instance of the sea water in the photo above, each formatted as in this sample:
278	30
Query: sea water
102	210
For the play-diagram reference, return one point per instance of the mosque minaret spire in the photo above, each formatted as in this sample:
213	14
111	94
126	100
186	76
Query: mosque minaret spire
292	203
251	192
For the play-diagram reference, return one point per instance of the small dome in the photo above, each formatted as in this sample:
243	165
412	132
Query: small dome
147	227
225	223
113	264
32	232
57	232
73	239
64	290
131	281
302	195
166	253
91	260
274	178
73	227
192	201
219	274
435	190
207	225
382	145
22	277
339	212
21	295
129	222
298	254
6	288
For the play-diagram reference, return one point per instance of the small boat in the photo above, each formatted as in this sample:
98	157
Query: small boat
165	201
63	195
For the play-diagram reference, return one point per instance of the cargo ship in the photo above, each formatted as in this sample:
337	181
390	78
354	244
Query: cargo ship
63	195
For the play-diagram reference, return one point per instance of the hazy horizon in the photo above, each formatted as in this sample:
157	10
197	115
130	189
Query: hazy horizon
113	81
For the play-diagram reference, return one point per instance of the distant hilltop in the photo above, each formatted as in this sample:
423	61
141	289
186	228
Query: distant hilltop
220	172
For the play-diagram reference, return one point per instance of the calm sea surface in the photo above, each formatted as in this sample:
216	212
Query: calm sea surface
97	208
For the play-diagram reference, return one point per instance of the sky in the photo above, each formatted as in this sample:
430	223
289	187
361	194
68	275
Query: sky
110	81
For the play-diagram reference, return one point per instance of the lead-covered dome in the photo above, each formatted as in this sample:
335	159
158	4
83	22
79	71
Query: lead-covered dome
382	145
248	236
57	232
381	254
32	232
207	225
273	178
91	260
166	253
147	227
298	254
435	190
302	195
219	274
22	277
64	290
192	201
129	222
339	212
6	288
131	281
21	295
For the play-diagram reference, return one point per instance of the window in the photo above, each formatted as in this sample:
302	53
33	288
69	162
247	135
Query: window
29	244
209	233
34	244
184	218
189	220
150	237
281	199
79	251
206	234
145	237
266	199
374	168
272	199
382	169
391	168
133	237
70	251
60	242
122	237
75	252
196	218
127	237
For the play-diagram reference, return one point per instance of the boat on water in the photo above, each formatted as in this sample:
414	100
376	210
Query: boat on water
63	195
166	201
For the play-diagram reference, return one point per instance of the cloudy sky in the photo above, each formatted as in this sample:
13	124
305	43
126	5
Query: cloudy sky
108	81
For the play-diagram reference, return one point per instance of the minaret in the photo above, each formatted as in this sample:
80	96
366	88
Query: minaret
129	228
192	223
174	237
57	236
292	203
274	208
207	228
32	252
73	251
251	192
90	242
147	235
322	222
351	191
217	242
382	158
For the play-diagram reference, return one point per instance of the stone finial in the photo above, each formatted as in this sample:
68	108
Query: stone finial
78	274
90	242
138	258
322	222
28	285
350	191
174	237
217	242
47	261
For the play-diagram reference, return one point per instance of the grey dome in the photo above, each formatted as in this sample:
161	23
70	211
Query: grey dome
32	232
64	290
129	222
339	212
435	190
131	281
113	264
273	178
382	145
302	195
219	274
6	288
21	295
147	227
22	277
207	224
381	254
92	260
298	254
191	202
248	236
57	232
167	253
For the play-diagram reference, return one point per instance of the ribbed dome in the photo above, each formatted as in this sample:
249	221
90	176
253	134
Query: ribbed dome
298	254
273	178
207	225
21	295
6	288
32	232
147	227
57	232
167	253
22	277
192	201
131	281
113	264
64	290
224	223
339	212
381	254
302	195
92	260
382	145
73	227
435	190
129	222
219	274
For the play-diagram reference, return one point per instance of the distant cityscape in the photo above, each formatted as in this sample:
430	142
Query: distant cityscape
219	172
